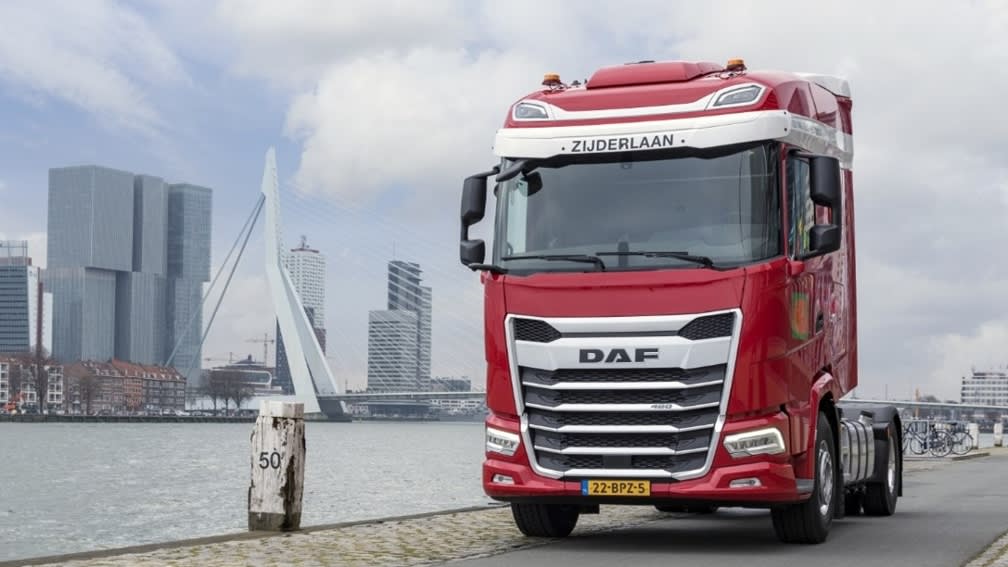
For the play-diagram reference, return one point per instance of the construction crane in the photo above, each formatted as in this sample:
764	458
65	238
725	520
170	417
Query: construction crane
266	342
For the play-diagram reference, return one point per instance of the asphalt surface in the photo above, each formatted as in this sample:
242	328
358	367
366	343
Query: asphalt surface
947	516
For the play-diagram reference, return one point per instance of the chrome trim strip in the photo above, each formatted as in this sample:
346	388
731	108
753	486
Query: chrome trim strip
624	407
618	322
624	325
620	473
620	428
636	451
621	385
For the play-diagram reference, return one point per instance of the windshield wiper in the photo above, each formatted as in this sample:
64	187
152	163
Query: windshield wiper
561	257
705	261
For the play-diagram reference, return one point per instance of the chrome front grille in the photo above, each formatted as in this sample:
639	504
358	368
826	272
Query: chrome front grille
647	419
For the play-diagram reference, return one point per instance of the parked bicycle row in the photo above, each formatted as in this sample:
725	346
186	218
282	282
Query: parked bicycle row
936	438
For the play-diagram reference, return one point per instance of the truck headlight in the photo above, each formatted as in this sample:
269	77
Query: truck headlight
502	442
767	441
736	97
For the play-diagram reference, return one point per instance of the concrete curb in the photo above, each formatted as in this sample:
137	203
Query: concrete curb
222	538
969	456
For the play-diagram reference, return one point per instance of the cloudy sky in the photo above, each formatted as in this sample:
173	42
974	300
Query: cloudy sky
378	109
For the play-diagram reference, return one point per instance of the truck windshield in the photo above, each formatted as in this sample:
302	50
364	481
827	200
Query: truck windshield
641	210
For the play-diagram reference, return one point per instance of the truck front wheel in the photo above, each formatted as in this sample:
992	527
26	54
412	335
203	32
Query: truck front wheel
545	520
810	521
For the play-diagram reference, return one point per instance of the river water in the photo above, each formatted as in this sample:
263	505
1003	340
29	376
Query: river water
67	487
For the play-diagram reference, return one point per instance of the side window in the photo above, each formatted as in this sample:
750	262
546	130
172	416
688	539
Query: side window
801	210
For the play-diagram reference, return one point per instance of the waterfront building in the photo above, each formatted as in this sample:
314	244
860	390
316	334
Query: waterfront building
406	294
121	387
399	338
986	387
17	385
307	269
128	256
451	384
392	351
24	303
249	374
188	256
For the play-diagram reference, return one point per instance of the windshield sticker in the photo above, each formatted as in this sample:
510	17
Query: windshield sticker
620	143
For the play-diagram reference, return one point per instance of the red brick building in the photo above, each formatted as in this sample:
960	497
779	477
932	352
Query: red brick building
118	387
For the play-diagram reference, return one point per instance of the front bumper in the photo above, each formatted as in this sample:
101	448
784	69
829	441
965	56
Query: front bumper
775	473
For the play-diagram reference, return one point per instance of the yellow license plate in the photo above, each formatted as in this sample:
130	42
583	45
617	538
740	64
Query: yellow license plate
616	487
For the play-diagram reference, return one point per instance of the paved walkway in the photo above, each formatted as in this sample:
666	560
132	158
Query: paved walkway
426	540
423	540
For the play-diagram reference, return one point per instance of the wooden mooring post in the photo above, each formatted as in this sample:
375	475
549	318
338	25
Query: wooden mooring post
278	458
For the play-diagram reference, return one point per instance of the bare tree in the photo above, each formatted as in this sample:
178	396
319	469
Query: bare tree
87	390
216	389
14	381
240	392
33	368
233	387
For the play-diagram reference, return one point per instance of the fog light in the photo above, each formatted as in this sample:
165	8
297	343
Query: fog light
502	479
502	442
745	483
767	441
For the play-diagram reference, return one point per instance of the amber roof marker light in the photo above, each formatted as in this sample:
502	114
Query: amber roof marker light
551	80
735	65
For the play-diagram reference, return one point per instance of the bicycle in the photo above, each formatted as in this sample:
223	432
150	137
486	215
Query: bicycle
962	442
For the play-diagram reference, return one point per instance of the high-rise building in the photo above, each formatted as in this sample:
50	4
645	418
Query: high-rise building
392	351
90	238
986	387
405	294
24	304
128	256
307	269
188	258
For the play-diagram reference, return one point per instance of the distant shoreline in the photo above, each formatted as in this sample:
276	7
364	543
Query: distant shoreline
58	418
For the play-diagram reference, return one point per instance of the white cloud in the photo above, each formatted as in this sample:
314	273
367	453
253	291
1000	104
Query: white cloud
367	126
293	43
97	55
983	349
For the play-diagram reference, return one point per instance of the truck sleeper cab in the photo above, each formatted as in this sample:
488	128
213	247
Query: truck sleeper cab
670	302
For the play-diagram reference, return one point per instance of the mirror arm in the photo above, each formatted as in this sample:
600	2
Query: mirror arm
488	267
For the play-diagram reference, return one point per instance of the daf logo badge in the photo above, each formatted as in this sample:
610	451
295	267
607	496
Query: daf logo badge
591	355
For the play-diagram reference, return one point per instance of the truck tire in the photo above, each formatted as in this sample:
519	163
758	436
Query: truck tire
810	521
687	509
880	497
545	520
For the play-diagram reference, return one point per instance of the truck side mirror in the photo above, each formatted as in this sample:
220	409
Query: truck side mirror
824	176
825	190
474	193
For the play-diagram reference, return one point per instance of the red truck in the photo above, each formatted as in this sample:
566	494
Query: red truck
670	304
